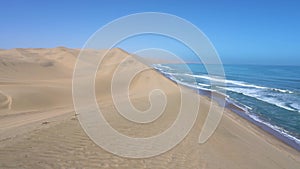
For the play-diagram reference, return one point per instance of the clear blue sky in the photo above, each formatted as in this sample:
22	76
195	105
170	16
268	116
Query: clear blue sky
246	32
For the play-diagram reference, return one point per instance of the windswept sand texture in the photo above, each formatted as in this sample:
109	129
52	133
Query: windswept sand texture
39	128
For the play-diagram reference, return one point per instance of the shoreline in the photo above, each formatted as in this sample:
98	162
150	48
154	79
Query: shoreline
241	112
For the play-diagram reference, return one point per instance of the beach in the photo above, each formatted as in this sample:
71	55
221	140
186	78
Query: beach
40	129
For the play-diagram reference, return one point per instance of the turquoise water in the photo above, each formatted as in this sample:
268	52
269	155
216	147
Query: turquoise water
270	95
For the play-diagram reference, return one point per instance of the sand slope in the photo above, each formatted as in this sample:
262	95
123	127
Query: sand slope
39	128
35	79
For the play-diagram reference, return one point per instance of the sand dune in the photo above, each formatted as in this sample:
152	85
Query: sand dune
39	128
35	79
40	64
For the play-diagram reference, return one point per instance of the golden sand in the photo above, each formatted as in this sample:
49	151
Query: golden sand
39	128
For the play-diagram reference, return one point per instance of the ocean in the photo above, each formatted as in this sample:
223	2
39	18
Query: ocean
268	95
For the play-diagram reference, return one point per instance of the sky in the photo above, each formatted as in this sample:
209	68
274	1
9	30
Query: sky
265	32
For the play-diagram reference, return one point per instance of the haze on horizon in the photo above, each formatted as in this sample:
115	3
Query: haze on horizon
248	32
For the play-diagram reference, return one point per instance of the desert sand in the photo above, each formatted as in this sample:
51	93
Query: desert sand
39	127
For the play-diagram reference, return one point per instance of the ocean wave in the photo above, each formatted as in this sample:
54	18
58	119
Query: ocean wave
161	67
238	83
194	86
244	88
248	89
221	80
255	94
296	106
282	90
238	104
176	77
280	130
202	84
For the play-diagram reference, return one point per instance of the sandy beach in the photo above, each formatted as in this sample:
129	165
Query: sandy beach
39	127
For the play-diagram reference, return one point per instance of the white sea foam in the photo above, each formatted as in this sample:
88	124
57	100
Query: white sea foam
225	81
202	84
276	128
161	67
238	83
247	89
281	90
221	80
194	86
243	106
256	94
296	106
277	102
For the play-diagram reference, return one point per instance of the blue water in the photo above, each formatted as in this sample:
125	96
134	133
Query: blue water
270	95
